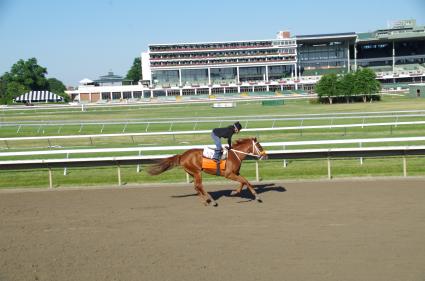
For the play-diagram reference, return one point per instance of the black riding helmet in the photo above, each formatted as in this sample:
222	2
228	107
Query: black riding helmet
238	126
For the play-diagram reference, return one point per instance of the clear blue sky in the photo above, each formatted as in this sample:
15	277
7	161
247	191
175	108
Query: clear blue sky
76	39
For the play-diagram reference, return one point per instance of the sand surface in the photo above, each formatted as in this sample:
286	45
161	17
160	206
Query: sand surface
326	230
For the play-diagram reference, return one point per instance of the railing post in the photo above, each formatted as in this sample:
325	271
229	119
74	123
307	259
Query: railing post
119	174
65	169
404	166
138	165
329	168
257	172
50	178
361	158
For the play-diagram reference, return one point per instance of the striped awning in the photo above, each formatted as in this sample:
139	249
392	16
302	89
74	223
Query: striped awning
35	96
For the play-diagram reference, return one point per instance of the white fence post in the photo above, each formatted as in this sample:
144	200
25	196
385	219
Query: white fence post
404	166
329	168
138	165
50	178
65	169
119	174
257	172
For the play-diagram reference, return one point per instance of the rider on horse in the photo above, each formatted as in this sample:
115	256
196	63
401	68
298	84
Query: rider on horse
226	133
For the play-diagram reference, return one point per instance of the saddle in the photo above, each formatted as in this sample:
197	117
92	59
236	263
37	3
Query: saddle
211	166
209	153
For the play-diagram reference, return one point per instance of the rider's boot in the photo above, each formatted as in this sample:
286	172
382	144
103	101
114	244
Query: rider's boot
217	157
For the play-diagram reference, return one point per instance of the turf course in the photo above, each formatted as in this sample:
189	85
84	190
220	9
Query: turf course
171	114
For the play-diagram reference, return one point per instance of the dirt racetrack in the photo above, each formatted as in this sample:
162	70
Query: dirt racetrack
326	230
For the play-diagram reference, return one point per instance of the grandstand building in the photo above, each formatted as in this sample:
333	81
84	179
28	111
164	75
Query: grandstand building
396	54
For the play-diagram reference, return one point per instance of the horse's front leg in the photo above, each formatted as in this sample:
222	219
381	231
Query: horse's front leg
237	191
243	182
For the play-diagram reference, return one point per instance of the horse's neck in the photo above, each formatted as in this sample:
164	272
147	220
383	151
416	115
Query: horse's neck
245	146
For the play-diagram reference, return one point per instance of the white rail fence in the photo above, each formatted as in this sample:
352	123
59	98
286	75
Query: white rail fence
173	133
327	153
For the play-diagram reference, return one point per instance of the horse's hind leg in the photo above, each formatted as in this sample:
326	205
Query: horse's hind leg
205	197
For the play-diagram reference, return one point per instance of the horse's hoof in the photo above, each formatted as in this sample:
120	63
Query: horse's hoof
259	200
215	204
234	193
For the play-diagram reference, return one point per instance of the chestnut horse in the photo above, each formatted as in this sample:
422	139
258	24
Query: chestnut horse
191	161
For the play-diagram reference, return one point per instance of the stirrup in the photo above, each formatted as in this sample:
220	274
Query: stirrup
217	173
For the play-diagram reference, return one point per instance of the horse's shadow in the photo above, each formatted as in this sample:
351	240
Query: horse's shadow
245	193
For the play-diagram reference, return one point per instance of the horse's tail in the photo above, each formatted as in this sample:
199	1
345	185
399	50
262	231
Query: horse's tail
164	165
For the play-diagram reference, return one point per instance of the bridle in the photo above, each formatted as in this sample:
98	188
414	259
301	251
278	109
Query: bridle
255	151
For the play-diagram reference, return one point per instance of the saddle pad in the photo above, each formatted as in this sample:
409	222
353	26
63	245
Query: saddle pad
208	164
209	153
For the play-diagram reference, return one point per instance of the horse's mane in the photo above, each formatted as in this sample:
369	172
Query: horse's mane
241	141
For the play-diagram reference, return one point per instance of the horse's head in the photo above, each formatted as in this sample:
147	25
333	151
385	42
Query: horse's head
251	146
258	149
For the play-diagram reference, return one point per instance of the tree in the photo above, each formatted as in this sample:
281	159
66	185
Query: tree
24	76
135	72
366	83
57	87
327	87
29	74
346	86
10	90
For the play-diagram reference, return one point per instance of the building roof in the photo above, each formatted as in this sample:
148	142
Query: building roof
397	32
110	78
318	37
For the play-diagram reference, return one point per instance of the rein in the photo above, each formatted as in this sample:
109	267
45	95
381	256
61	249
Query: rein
254	150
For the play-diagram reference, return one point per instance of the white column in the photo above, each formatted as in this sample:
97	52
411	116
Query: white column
348	56
209	77
355	56
393	57
180	77
267	74
237	76
166	92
